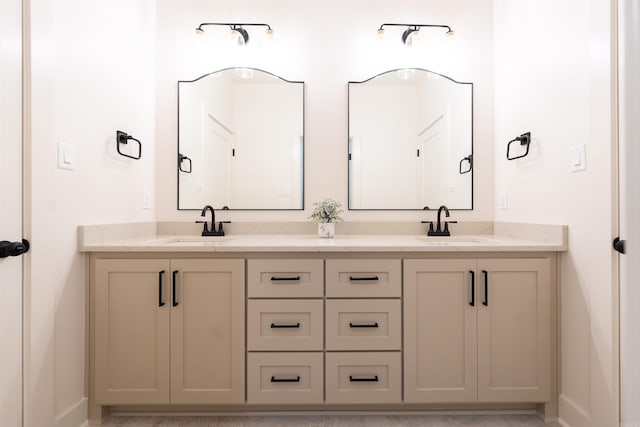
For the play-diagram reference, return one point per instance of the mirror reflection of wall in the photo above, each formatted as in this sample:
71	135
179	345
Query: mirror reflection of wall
242	130
410	131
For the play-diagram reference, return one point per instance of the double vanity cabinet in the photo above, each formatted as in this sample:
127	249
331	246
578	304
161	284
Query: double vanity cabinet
323	329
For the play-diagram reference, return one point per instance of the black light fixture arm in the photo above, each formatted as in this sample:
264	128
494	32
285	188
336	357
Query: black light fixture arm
233	25
415	26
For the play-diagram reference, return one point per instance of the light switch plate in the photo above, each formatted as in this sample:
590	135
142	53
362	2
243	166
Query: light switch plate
577	158
502	201
146	199
66	156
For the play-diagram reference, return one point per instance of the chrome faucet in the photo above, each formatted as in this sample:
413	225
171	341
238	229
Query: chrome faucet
440	231
213	231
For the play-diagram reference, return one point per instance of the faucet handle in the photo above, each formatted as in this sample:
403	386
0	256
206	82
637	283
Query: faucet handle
220	225
446	225
430	224
206	227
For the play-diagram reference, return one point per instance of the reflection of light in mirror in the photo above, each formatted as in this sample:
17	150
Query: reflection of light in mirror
244	73
405	73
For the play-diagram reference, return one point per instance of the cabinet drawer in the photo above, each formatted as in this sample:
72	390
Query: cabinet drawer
378	278
286	378
285	278
363	377
363	325
284	325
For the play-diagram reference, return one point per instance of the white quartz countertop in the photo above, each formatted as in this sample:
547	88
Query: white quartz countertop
312	243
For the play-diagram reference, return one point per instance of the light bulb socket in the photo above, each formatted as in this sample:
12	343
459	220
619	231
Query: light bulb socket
410	36
239	35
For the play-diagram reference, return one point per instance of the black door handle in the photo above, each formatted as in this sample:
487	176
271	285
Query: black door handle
486	288
8	249
618	245
472	303
160	301
175	298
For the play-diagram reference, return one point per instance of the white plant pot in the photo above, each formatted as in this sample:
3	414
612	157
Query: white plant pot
326	229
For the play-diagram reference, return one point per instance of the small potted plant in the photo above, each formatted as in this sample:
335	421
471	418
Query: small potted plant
326	214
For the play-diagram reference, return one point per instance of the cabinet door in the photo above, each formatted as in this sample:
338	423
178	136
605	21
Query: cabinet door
207	331
440	346
131	334
514	326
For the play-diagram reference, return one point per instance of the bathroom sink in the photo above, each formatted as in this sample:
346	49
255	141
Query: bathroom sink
192	241
452	240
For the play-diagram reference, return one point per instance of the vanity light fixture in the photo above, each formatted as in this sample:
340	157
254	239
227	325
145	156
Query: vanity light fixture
411	35
239	35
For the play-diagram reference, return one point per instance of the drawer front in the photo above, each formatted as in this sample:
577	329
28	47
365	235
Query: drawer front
363	377
363	325
284	325
285	278
285	378
358	278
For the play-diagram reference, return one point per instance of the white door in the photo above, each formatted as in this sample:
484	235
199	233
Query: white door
11	211
629	90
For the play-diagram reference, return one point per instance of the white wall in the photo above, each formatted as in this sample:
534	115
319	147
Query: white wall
325	43
92	73
554	77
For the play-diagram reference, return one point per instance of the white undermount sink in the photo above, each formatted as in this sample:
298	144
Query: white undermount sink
191	241
452	240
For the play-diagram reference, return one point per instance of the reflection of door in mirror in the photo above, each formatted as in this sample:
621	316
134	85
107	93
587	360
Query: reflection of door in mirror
244	133
407	135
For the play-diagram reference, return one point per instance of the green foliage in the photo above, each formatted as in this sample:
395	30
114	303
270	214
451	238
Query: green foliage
326	211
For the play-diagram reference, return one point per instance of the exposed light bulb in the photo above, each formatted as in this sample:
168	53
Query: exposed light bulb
199	32
380	33
269	34
450	34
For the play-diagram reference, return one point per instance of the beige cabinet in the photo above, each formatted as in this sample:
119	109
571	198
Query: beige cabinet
477	330
285	331
168	331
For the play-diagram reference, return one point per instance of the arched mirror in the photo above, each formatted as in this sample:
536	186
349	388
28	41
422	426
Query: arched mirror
240	141
410	141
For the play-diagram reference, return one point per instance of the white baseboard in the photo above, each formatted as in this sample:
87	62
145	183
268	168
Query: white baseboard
74	416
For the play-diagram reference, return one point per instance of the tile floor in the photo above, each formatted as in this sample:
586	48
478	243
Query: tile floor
333	421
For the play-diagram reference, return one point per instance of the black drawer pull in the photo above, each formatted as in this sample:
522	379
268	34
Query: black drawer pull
373	379
274	278
363	325
285	380
355	279
284	325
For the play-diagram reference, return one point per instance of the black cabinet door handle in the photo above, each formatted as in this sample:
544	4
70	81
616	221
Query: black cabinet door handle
363	325
285	325
363	379
274	278
8	249
618	245
160	301
472	303
486	288
173	284
285	380
355	279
